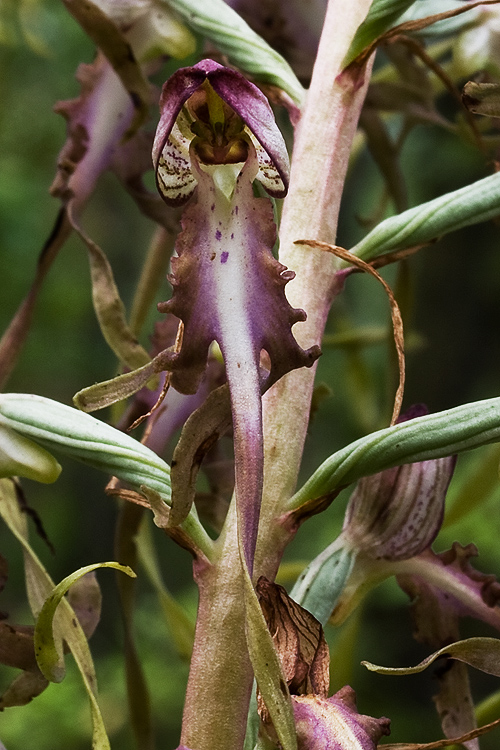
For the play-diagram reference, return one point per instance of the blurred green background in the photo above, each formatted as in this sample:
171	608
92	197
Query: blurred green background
452	310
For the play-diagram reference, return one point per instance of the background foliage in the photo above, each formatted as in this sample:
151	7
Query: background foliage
450	292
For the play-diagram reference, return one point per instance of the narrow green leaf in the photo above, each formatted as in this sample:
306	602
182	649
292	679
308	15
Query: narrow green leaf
85	438
384	21
481	653
432	436
49	657
424	8
108	392
109	308
246	49
264	657
429	221
381	16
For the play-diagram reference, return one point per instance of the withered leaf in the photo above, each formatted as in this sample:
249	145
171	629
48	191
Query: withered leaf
298	638
23	689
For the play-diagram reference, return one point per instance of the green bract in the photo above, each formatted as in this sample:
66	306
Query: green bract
431	436
382	15
429	221
81	436
246	49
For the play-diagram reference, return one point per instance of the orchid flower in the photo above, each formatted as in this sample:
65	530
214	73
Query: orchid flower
216	135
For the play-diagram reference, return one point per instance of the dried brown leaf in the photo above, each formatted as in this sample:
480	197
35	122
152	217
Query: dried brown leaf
298	638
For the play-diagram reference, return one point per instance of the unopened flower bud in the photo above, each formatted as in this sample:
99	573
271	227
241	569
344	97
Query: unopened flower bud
396	514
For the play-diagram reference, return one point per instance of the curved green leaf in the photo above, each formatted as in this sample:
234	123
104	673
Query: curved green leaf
267	666
50	659
381	16
431	436
429	221
246	49
385	19
85	438
20	457
481	653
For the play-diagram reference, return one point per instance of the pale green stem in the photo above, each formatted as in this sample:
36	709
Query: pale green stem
152	275
319	165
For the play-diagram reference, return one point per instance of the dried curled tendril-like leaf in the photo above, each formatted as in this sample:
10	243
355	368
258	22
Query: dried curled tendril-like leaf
397	321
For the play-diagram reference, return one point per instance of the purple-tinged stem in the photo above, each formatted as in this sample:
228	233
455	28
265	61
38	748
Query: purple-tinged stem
319	164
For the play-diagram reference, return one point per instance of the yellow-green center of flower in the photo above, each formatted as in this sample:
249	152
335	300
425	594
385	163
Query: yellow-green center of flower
219	131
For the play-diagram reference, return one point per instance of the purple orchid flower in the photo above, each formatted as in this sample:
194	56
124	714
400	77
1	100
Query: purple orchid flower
216	135
335	724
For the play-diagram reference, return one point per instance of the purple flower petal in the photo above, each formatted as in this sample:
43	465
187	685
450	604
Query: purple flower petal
97	120
335	724
453	585
229	288
169	151
253	108
227	284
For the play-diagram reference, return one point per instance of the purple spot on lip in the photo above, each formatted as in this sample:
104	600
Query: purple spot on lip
218	234
232	235
224	256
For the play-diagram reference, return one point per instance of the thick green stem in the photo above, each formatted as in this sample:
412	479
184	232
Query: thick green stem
221	676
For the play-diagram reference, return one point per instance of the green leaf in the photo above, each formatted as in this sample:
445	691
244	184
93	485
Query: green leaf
85	438
320	584
431	436
429	221
246	49
109	392
424	8
20	457
385	20
481	653
109	308
381	16
49	655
